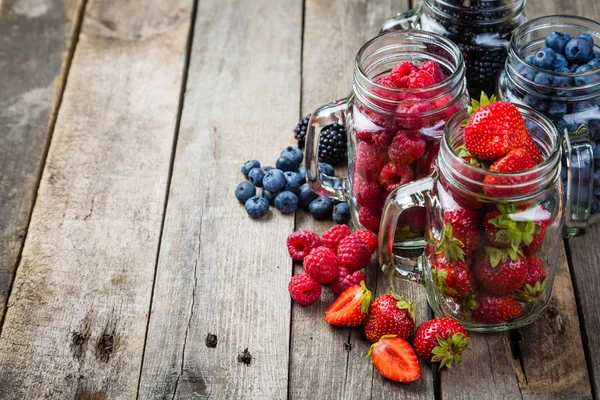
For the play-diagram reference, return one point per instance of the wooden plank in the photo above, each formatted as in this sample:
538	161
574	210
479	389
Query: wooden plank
334	31
78	312
220	313
33	34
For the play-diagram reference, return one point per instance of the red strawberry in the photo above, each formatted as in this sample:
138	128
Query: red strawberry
441	340
369	237
353	253
535	282
415	218
460	233
351	307
494	128
301	242
529	145
390	314
489	309
343	281
395	359
541	220
463	153
501	271
453	278
304	289
511	227
322	265
516	160
334	235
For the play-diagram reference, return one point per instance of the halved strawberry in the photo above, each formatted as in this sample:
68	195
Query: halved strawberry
351	307
395	359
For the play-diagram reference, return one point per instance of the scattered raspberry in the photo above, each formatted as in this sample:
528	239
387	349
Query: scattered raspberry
369	218
421	79
343	281
353	253
367	193
369	238
434	70
406	148
334	235
321	264
394	175
301	242
304	289
400	73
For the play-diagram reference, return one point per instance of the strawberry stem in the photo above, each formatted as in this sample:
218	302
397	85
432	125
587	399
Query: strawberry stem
449	351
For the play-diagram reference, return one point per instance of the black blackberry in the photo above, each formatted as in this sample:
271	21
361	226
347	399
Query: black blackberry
333	144
300	131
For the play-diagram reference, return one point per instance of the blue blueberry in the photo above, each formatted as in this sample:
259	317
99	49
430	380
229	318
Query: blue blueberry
321	207
257	207
595	206
594	126
587	37
341	213
544	58
594	63
286	202
292	183
579	51
596	153
563	81
526	71
269	196
256	176
306	196
573	67
267	169
535	102
587	79
597	178
560	62
244	191
596	55
597	192
529	59
546	82
294	153
248	165
556	110
274	180
557	41
326	169
301	175
562	124
581	106
563	173
286	163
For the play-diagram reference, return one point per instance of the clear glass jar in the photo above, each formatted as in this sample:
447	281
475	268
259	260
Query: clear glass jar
468	270
480	28
377	118
575	110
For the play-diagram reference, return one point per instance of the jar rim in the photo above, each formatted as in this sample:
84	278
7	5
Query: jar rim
521	7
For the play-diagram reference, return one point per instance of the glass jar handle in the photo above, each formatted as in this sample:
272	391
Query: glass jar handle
321	184
401	199
402	21
577	151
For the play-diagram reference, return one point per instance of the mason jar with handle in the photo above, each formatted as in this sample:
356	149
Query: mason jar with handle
393	134
490	252
480	28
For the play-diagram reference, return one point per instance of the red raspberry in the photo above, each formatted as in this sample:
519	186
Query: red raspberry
334	235
386	81
385	93
366	192
343	281
410	115
420	79
394	175
369	218
425	163
401	72
369	161
434	70
369	238
304	289
301	242
353	253
406	148
321	264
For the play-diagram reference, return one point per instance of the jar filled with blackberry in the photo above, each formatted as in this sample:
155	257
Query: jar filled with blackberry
481	29
553	66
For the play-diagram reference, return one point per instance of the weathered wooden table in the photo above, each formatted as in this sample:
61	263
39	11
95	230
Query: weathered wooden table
127	267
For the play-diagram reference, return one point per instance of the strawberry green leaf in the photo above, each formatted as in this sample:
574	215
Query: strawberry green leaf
448	351
365	298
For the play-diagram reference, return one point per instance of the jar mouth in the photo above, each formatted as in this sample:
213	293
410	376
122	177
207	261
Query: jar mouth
470	178
513	7
378	56
529	37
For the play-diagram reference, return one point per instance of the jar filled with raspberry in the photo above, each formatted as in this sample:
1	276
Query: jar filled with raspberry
494	209
480	28
406	86
553	66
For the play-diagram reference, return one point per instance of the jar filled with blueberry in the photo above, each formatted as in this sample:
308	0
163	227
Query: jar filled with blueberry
553	66
480	28
406	86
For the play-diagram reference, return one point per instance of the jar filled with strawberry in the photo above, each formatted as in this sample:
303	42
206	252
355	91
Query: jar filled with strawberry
407	85
494	210
553	66
480	28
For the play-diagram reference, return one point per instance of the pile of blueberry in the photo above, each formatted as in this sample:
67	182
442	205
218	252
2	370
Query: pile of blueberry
285	187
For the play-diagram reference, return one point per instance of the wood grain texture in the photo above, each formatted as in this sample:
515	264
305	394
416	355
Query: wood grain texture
78	312
334	32
221	273
33	34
